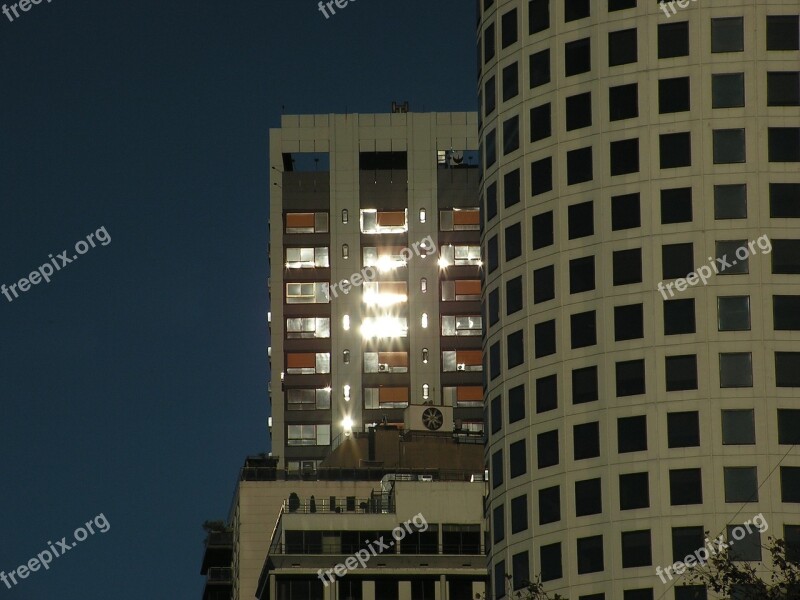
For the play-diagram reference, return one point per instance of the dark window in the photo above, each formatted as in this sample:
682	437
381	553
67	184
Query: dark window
685	487
538	16
490	94
497	469
581	274
544	284
634	491
681	372
519	513
787	369
514	295
493	252
790	484
497	414
517	463
579	111
741	484
727	90
584	385
614	5
583	329
636	549
679	317
677	260
676	205
791	535
735	369
510	81
579	165
494	306
729	146
785	256
491	201
738	427
625	212
683	429
726	251
631	434
628	322
623	102
673	39
588	497
624	156
581	220
549	505
675	150
733	313
509	27
510	138
784	144
546	393
515	349
586	438
784	200
788	426
727	34
539	67
730	201
638	594
685	540
545	338
513	242
783	88
673	95
499	523
491	148
516	403
540	122
547	449
577	57
494	361
542	231
622	47
541	176
498	580
627	266
520	566
488	43
782	32
590	554
748	545
630	376
550	558
575	9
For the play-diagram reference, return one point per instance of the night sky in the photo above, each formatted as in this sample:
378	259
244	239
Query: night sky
135	382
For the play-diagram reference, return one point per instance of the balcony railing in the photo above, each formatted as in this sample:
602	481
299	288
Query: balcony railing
345	549
377	504
219	575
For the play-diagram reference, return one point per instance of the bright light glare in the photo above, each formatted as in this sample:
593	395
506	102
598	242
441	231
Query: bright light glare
443	264
346	322
383	327
383	300
346	390
347	424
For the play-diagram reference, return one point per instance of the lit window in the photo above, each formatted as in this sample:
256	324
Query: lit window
460	255
383	221
308	363
424	320
425	391
422	215
306	258
466	325
460	219
386	397
307	293
345	251
308	399
345	217
384	327
307	327
346	392
306	222
462	360
464	289
424	356
385	258
384	293
386	362
423	285
346	322
309	435
463	395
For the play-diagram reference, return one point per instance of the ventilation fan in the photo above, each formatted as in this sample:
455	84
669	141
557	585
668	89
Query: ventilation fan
432	418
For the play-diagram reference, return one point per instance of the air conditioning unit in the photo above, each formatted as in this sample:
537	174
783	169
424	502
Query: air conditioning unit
461	367
384	368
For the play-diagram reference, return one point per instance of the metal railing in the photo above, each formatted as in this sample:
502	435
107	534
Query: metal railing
378	503
398	550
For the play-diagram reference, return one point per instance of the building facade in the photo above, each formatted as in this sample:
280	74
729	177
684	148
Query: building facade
641	197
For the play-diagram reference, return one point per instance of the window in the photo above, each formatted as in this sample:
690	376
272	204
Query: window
791	535
462	360
690	592
306	222
584	385
728	251
727	34
783	88
308	435
622	47
673	95
497	469
550	560
676	205
634	491
788	426
590	554
679	317
541	176
631	434
462	325
741	484
538	16
630	378
624	156
509	28
488	43
623	102
547	449
513	296
519	513
579	165
727	90
490	95
627	266
636	549
539	67
544	284
586	438
738	427
730	201
494	307
677	260
542	230
466	219
460	255
625	212
549	505
307	363
748	543
463	395
491	148
511	191
516	403
735	369
729	146
546	393
385	397
583	329
515	349
787	369
520	566
499	523
588	497
628	322
673	39
575	9
579	111
685	540
782	32
638	594
784	200
581	275
513	241
784	144
545	338
308	399
308	327
540	122
683	429
307	258
493	252
685	487
510	84
614	5
790	484
498	579
681	372
581	220
494	361
384	293
675	150
383	221
518	465
577	57
733	313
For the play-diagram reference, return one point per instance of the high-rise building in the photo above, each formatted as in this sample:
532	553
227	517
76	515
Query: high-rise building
641	197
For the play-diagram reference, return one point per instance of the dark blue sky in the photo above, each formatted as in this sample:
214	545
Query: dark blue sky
134	383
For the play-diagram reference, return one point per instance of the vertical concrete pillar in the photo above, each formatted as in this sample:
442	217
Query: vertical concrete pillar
405	590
